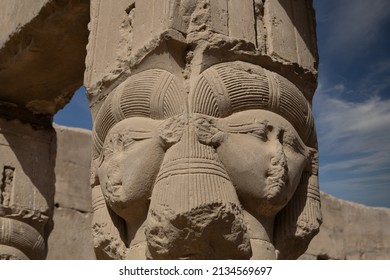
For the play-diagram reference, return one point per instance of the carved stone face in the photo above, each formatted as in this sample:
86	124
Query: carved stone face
132	155
263	155
259	151
191	179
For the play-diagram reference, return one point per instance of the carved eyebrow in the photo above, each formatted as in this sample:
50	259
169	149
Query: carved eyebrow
247	126
139	134
127	137
135	134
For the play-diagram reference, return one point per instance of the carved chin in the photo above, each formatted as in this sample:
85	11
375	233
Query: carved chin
276	197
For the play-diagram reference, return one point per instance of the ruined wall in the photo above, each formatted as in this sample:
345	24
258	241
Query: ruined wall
351	231
71	236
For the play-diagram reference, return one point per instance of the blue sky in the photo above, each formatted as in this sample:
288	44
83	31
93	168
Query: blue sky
351	104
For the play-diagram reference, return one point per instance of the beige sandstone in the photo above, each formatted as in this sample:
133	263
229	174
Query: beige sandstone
26	189
71	237
42	51
204	144
349	230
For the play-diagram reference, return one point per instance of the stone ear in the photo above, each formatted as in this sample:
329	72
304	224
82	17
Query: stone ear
108	229
300	219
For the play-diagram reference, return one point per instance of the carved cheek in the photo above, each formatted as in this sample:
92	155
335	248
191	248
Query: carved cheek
246	159
141	165
110	177
127	179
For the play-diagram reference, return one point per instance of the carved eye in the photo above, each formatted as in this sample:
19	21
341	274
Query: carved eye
261	130
261	133
112	144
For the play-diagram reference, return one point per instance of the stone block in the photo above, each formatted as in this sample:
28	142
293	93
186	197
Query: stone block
351	231
291	37
71	238
42	51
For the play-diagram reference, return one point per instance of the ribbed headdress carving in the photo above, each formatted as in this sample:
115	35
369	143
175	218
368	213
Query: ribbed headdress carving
220	91
152	94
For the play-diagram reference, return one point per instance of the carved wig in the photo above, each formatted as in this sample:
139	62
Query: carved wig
219	91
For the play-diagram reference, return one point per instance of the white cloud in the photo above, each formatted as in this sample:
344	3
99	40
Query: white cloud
347	127
354	142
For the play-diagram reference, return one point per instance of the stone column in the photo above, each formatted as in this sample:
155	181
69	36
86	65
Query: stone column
42	51
26	189
204	139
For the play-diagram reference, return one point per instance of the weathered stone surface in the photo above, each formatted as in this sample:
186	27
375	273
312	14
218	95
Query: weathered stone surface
139	30
26	189
203	130
71	237
73	163
15	14
351	231
291	33
42	50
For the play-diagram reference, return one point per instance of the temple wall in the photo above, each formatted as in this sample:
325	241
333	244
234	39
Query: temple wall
351	231
71	236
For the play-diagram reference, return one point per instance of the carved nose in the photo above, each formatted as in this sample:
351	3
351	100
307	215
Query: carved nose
191	175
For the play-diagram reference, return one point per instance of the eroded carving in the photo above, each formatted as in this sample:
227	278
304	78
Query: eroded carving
228	171
6	185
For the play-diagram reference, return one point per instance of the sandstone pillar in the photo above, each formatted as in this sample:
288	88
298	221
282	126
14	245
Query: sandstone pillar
26	190
42	51
204	140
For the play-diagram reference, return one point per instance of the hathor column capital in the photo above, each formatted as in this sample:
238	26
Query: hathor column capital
204	138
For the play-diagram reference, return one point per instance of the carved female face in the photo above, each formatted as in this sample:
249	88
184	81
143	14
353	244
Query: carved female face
263	155
188	165
132	154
